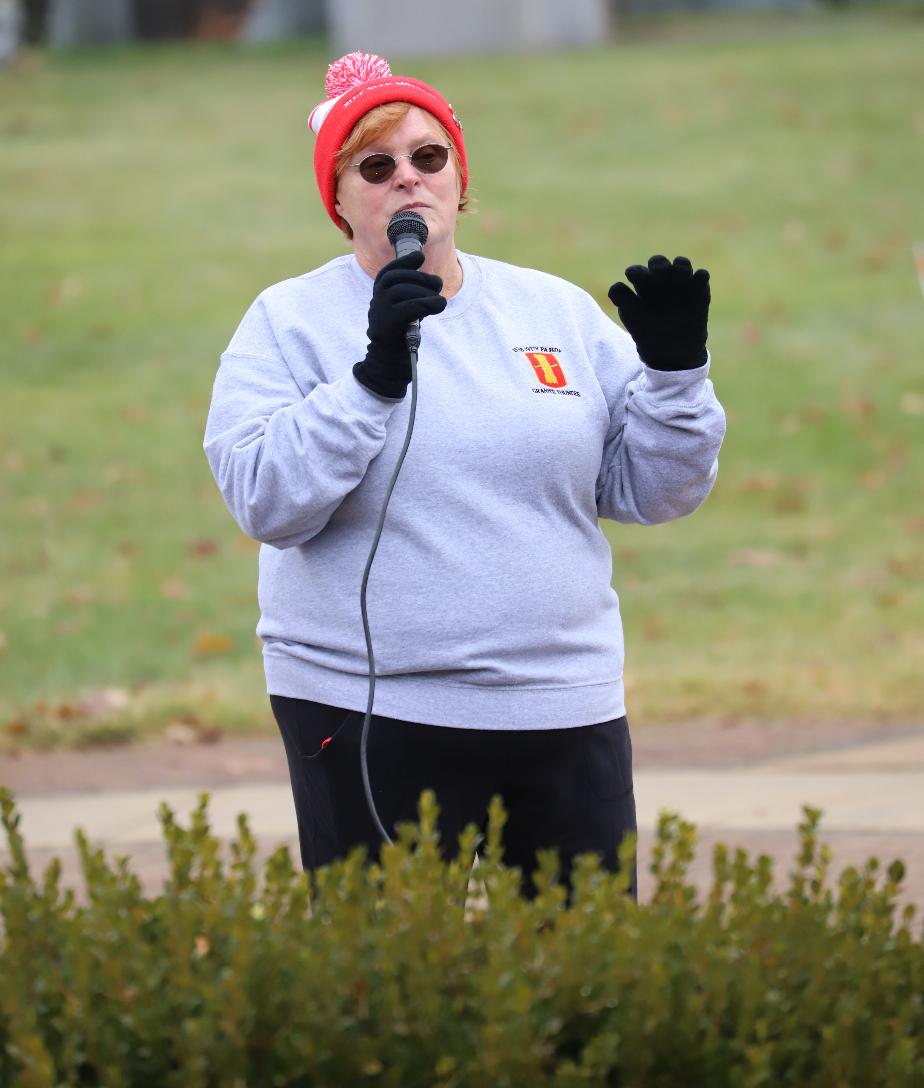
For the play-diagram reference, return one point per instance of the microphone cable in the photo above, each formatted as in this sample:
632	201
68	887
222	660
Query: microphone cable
364	740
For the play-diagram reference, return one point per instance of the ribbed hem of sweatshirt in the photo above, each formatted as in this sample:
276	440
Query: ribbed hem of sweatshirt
435	701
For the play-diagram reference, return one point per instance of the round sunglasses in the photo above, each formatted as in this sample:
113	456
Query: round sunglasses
378	167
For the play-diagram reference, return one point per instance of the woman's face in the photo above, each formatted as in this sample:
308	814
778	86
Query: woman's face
368	208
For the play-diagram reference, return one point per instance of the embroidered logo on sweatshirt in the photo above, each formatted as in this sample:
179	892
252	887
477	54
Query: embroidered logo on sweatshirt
548	369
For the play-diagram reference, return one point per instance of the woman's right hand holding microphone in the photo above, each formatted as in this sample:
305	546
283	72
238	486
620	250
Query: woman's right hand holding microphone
401	294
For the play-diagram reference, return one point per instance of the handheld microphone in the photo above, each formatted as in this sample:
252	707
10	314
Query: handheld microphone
407	231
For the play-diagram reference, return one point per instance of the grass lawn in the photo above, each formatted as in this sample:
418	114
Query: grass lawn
147	195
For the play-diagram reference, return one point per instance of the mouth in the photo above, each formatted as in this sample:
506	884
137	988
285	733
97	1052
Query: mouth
412	207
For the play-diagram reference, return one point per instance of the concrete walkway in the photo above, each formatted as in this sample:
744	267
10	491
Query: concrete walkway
871	793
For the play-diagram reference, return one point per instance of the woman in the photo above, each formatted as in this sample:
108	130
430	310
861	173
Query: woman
497	634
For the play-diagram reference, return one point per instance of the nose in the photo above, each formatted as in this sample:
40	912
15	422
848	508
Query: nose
405	174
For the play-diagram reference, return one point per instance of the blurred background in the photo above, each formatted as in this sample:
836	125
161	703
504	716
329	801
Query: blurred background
155	175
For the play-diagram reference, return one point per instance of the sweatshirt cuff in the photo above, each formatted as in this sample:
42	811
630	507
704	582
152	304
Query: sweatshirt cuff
678	384
357	400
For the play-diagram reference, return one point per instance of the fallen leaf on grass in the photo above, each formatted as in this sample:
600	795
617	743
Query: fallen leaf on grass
897	454
875	259
794	232
757	484
174	589
762	558
912	404
490	223
675	115
792	113
858	407
189	730
790	496
812	414
872	479
890	600
727	223
203	546
13	461
65	711
835	239
95	704
905	566
101	702
180	733
79	596
209	644
121	474
64	291
17	727
37	506
86	500
754	688
751	334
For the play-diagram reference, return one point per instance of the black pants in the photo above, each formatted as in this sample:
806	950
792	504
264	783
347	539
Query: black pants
568	789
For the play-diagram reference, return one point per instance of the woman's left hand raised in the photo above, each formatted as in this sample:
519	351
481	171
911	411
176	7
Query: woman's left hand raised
666	314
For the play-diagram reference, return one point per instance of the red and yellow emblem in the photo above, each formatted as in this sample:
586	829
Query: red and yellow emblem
548	368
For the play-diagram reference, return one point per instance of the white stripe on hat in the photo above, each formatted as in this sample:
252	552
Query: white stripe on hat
320	112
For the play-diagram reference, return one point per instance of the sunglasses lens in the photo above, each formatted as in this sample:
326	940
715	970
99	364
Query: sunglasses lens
430	159
376	168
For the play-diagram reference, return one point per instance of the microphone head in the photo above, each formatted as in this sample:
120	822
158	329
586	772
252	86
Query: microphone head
407	222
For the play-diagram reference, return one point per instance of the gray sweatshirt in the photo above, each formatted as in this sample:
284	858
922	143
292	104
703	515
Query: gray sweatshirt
490	599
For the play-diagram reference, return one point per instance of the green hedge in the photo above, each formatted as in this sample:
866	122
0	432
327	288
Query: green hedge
393	974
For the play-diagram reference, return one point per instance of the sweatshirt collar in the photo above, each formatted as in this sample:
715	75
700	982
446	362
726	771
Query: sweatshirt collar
467	294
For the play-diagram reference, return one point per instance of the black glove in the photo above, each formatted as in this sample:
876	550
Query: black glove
666	315
401	294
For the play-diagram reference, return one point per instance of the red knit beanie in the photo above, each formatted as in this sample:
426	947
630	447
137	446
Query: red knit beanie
356	84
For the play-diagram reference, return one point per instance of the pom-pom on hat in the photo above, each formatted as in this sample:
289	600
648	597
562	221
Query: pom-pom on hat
356	84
